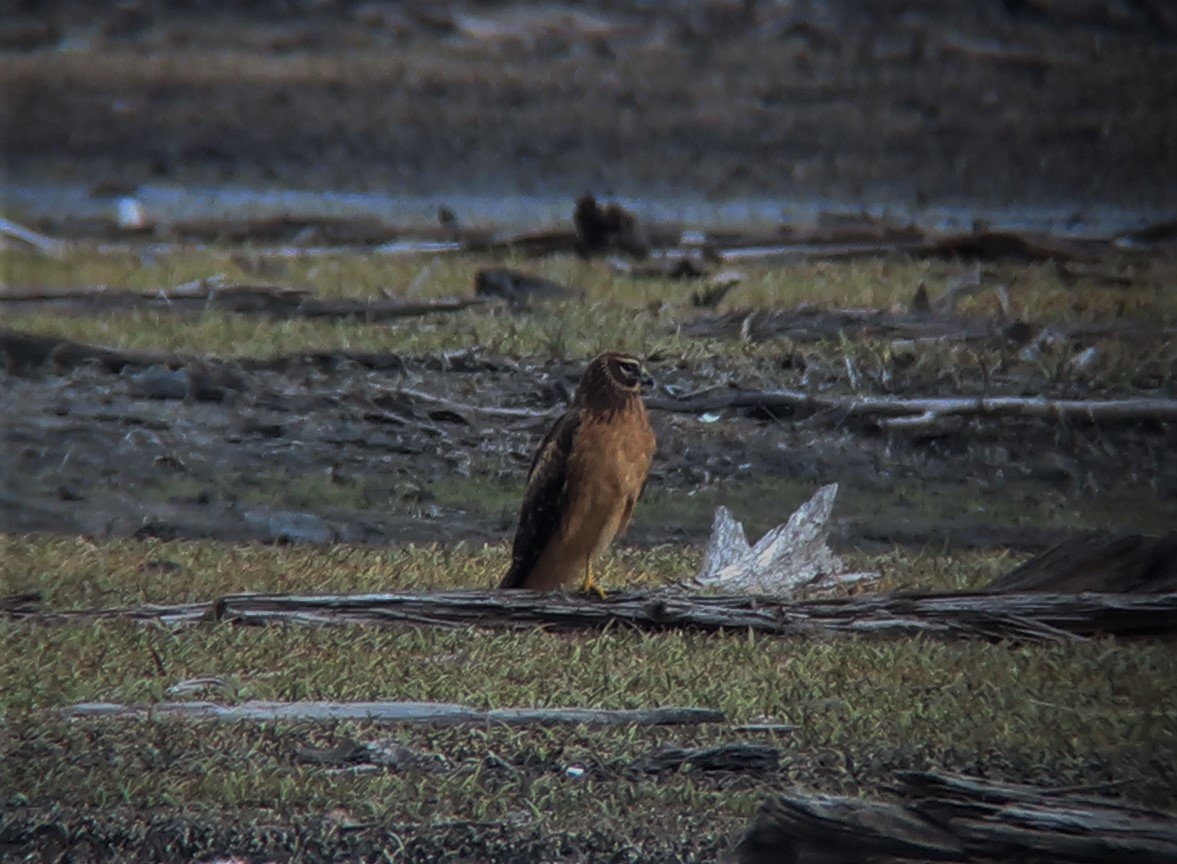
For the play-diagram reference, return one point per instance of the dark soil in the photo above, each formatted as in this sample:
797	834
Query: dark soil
389	449
1003	104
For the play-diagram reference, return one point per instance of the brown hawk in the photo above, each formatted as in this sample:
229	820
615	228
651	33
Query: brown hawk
585	477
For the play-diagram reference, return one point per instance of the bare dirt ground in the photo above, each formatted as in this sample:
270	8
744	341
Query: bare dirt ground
337	448
1013	105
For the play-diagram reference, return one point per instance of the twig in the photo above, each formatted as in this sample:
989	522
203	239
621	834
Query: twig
440	403
43	243
798	404
432	713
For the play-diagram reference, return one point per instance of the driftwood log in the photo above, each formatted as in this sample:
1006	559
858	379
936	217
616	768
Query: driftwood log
430	713
927	322
1130	563
23	353
722	757
956	818
894	411
1023	617
273	301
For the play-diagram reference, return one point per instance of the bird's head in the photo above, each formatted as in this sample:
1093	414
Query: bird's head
627	371
612	375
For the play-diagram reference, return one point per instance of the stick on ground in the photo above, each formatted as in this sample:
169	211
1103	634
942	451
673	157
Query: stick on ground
431	713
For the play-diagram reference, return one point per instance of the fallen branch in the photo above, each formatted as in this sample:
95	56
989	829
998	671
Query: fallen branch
432	713
925	322
437	403
799	405
1099	562
21	352
722	757
1023	617
807	324
43	243
371	311
976	245
956	818
517	288
25	352
205	294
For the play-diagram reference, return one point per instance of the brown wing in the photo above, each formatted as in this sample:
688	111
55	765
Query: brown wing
544	500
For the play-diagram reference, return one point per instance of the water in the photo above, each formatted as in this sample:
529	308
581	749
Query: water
165	205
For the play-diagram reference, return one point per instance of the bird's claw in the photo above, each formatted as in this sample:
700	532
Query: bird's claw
589	585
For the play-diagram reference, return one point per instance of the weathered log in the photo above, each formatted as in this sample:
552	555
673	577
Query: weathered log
23	352
1022	617
269	300
518	289
935	323
956	818
809	324
722	757
882	410
819	828
431	713
1099	562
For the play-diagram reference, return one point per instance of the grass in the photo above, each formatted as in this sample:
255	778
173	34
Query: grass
80	573
863	708
638	315
1089	713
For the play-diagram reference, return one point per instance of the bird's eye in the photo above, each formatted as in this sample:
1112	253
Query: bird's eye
630	367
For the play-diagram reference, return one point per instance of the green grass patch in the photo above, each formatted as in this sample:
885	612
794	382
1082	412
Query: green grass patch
618	311
1077	713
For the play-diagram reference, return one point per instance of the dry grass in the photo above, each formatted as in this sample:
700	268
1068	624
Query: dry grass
620	312
862	707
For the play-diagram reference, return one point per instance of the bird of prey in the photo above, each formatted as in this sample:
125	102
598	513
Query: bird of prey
586	475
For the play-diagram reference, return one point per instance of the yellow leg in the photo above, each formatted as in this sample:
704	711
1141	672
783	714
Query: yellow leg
590	584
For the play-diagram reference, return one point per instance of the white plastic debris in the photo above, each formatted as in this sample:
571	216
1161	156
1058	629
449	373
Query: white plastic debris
130	214
1084	361
791	556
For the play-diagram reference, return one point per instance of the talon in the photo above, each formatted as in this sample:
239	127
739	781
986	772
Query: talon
589	585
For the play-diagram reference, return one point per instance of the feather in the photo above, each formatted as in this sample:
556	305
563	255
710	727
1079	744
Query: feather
544	500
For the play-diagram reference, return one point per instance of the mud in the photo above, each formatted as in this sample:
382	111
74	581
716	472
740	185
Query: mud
1033	107
321	448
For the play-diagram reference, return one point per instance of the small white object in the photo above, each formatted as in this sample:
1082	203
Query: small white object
574	771
727	278
130	214
1084	360
192	686
709	417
